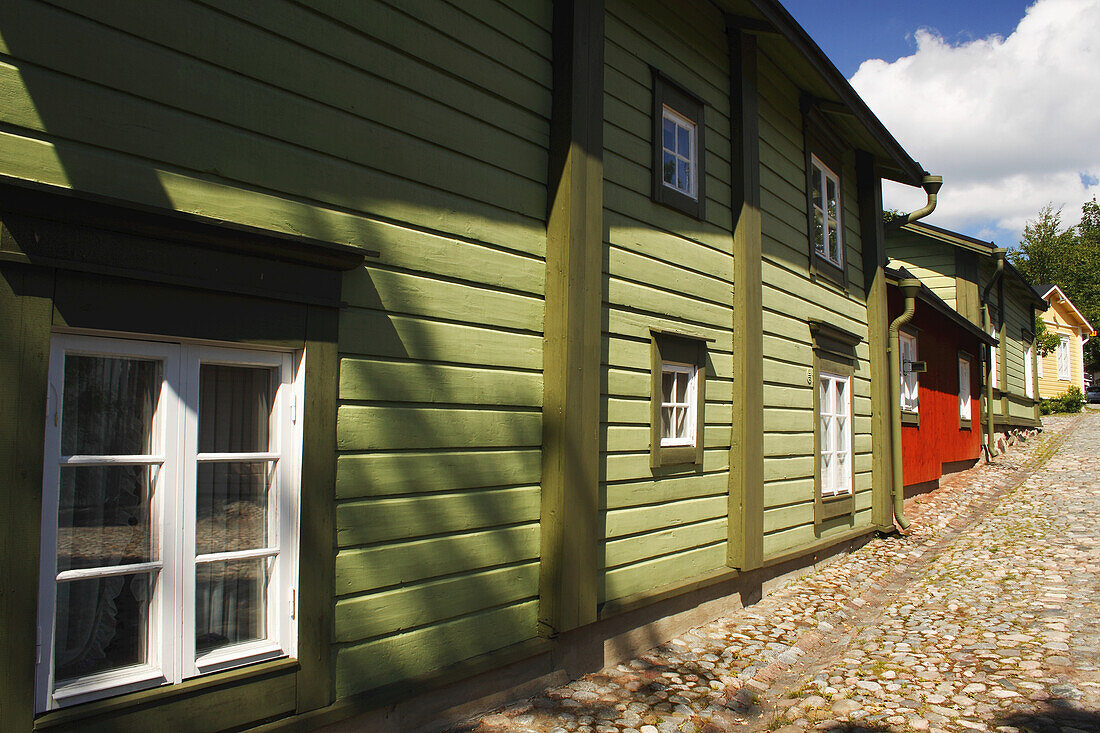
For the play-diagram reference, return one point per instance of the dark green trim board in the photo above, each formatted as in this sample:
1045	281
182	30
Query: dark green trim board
25	334
745	547
873	238
317	532
568	585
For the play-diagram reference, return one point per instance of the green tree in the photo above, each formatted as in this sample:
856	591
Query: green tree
1068	257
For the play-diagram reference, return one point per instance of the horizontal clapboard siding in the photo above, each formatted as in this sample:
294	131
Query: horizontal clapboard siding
415	128
930	261
789	299
664	271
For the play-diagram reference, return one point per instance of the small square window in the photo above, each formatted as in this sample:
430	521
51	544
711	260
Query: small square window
678	148
677	399
678	404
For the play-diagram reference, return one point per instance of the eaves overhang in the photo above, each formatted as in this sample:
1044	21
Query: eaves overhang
927	295
1064	299
829	91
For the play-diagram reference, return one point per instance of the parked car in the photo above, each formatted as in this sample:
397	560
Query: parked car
1093	395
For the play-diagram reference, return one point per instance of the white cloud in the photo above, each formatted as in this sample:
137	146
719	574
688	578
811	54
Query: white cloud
1010	123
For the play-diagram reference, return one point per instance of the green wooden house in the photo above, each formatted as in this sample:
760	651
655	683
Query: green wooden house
974	277
369	359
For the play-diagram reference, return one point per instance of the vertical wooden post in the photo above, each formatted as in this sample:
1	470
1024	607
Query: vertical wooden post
746	500
317	544
571	355
26	310
873	241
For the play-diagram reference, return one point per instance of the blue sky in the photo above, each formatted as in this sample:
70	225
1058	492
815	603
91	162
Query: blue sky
999	97
856	30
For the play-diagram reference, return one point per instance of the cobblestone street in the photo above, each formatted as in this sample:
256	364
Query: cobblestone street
984	617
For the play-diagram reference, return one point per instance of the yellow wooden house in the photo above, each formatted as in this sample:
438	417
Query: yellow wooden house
1065	366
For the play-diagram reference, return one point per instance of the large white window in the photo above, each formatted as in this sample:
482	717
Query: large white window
1029	370
965	409
1063	358
910	380
835	414
825	201
678	404
679	156
170	503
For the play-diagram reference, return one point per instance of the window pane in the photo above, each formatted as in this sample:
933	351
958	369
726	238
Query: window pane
103	516
230	603
108	405
669	135
831	197
234	408
670	169
819	232
102	624
232	506
816	177
680	414
668	382
834	242
666	422
823	396
683	141
683	177
682	381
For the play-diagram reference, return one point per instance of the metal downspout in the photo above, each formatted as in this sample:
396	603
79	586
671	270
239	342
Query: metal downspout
909	289
987	323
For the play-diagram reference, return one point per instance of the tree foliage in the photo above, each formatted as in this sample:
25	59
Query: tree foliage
1069	258
1046	341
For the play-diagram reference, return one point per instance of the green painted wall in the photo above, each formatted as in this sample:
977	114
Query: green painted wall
663	270
417	129
931	261
790	297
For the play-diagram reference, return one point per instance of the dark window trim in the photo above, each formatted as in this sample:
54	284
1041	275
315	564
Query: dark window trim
685	349
834	352
819	139
668	92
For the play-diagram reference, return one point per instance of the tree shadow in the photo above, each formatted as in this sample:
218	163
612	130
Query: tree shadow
1055	716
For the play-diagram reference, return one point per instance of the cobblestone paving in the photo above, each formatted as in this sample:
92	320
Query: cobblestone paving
983	617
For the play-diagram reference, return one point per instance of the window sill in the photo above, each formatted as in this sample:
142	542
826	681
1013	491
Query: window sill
678	455
125	702
910	418
966	425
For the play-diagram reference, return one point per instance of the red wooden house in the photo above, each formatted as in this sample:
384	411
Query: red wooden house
941	367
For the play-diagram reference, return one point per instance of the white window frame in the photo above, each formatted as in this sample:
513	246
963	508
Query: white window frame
910	380
1063	358
1029	370
835	441
171	650
966	408
681	121
994	362
824	174
691	372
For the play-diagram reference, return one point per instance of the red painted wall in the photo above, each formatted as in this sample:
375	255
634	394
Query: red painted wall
938	439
